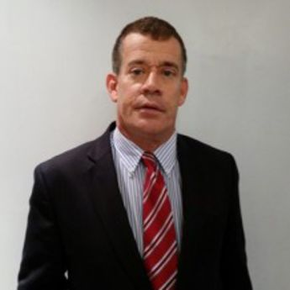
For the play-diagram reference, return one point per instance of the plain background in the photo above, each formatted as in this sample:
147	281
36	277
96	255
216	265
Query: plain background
54	56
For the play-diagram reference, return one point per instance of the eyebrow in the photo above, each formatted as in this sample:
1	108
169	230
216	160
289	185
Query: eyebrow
162	64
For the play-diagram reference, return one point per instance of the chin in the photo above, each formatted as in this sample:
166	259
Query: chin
148	125
154	129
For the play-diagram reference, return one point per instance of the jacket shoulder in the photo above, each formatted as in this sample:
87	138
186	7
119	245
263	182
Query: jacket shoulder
190	142
194	149
78	158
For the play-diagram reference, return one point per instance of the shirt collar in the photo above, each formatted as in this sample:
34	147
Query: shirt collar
166	154
130	154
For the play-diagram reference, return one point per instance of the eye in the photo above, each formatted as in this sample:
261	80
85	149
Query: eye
168	72
136	71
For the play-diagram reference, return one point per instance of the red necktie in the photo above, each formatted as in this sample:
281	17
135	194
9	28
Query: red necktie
160	244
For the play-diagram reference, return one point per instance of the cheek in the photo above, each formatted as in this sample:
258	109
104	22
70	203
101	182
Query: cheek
125	102
128	89
130	95
175	98
179	97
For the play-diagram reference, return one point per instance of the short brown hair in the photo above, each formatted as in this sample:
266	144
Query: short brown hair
156	28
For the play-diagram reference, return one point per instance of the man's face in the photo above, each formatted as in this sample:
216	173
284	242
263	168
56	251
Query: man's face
149	87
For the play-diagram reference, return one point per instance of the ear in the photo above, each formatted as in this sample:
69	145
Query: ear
111	83
183	91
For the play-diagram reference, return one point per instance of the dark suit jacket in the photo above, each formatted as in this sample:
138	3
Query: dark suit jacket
79	238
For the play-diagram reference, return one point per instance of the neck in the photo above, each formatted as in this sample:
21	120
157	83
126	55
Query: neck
147	142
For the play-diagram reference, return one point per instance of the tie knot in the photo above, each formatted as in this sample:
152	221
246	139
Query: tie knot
149	160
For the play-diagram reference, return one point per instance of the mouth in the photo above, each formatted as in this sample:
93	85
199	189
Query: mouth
150	108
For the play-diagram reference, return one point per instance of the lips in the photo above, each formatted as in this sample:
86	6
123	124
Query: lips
150	107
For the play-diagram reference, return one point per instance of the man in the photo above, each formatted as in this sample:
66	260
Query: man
141	207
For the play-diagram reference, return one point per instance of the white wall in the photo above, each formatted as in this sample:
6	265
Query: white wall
54	56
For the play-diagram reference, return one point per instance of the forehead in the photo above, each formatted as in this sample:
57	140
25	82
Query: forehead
138	47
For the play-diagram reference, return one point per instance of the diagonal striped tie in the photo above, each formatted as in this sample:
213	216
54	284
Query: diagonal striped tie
160	244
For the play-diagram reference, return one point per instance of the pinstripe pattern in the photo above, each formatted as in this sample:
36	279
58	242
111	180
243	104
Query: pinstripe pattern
131	175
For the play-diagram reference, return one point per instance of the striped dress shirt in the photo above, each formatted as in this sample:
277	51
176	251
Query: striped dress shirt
131	175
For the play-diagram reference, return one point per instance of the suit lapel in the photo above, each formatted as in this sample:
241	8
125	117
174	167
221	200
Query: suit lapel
193	181
109	207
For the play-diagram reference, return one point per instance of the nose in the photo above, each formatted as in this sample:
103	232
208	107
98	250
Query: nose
151	84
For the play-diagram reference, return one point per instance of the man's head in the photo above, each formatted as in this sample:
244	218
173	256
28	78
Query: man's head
156	29
148	83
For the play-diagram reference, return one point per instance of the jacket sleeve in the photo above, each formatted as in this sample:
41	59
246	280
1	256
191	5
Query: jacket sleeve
234	271
43	264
